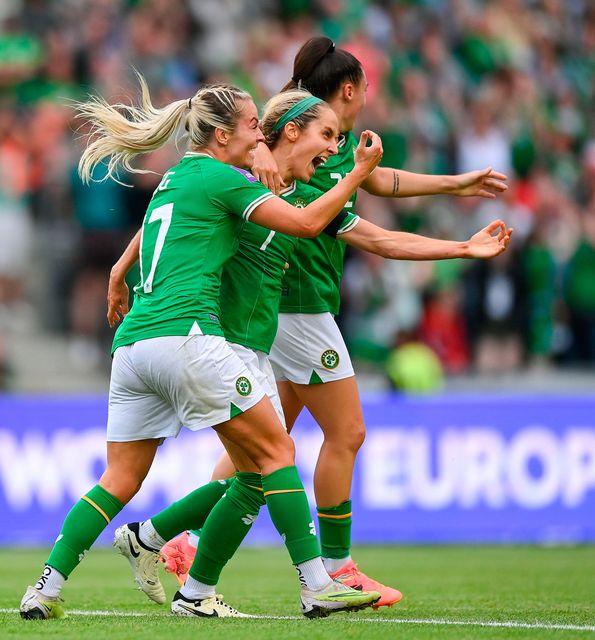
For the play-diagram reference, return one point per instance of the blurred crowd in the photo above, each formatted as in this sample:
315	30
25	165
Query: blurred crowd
454	85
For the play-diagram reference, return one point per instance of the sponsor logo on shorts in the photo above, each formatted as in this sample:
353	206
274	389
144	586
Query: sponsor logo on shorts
300	203
330	359
243	386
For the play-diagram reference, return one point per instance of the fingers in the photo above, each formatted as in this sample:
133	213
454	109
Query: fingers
276	184
496	174
494	225
492	183
364	137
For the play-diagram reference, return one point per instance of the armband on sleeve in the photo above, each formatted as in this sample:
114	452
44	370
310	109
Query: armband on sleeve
335	224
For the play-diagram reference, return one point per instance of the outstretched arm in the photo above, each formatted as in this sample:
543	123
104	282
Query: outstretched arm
398	245
394	183
117	290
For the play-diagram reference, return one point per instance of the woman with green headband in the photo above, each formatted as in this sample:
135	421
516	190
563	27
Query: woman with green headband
171	364
296	126
323	379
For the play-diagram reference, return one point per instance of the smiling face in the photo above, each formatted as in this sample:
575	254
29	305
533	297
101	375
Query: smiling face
313	144
242	142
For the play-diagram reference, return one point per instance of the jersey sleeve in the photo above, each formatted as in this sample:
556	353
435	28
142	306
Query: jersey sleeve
348	223
238	191
342	223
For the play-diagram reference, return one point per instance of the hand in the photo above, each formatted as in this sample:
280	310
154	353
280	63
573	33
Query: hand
485	183
368	157
266	170
484	244
117	300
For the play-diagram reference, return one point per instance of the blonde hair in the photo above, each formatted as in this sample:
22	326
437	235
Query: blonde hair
278	105
120	132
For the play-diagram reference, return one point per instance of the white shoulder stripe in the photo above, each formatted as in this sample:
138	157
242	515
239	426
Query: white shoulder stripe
348	227
255	203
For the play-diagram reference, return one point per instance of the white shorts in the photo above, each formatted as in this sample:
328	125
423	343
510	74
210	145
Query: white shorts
260	367
160	384
309	349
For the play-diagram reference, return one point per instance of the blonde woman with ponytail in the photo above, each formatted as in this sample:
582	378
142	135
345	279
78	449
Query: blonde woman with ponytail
172	365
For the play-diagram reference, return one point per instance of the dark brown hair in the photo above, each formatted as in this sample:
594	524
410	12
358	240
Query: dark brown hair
321	68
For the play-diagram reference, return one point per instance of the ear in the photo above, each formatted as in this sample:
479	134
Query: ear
347	92
221	136
292	131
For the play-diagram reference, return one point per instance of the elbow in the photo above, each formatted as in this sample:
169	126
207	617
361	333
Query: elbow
310	230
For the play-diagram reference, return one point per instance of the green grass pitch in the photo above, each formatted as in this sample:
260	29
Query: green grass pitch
462	592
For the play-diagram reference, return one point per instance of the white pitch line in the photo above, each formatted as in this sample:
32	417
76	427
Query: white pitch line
510	624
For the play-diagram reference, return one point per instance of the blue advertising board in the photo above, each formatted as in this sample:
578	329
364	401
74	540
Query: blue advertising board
443	469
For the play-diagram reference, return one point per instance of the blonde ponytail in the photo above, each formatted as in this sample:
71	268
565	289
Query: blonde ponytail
120	132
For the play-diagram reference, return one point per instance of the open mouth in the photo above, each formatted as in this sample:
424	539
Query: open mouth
318	160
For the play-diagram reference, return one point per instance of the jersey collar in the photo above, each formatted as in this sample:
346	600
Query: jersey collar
288	190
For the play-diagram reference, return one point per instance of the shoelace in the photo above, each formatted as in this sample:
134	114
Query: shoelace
219	600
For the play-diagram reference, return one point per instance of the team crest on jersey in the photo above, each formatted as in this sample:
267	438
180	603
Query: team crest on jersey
243	386
245	173
330	359
300	203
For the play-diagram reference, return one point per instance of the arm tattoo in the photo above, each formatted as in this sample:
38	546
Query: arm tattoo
395	183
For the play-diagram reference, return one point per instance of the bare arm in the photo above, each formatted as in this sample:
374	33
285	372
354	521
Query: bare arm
117	290
279	215
398	245
394	183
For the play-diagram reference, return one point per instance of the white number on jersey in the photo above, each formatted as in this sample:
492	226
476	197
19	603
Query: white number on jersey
163	214
338	177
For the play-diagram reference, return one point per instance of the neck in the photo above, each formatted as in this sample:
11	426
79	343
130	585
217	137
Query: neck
215	151
282	155
338	106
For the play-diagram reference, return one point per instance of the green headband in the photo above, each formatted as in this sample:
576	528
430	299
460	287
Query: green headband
298	108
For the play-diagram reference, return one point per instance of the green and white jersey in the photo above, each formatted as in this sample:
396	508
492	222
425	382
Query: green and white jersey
312	284
190	230
251	282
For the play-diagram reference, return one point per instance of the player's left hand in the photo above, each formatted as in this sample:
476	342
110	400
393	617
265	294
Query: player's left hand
484	244
117	300
485	183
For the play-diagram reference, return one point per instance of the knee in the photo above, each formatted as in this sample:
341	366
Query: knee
350	438
123	486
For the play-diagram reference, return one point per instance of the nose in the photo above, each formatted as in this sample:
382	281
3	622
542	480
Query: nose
259	135
333	148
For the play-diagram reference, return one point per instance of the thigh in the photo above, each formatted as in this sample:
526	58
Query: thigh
309	349
335	406
240	460
261	437
291	403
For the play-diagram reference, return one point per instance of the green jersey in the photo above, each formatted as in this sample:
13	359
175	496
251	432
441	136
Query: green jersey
190	230
312	284
251	283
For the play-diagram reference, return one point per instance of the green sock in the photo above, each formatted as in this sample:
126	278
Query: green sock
335	530
81	527
191	511
290	513
227	526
